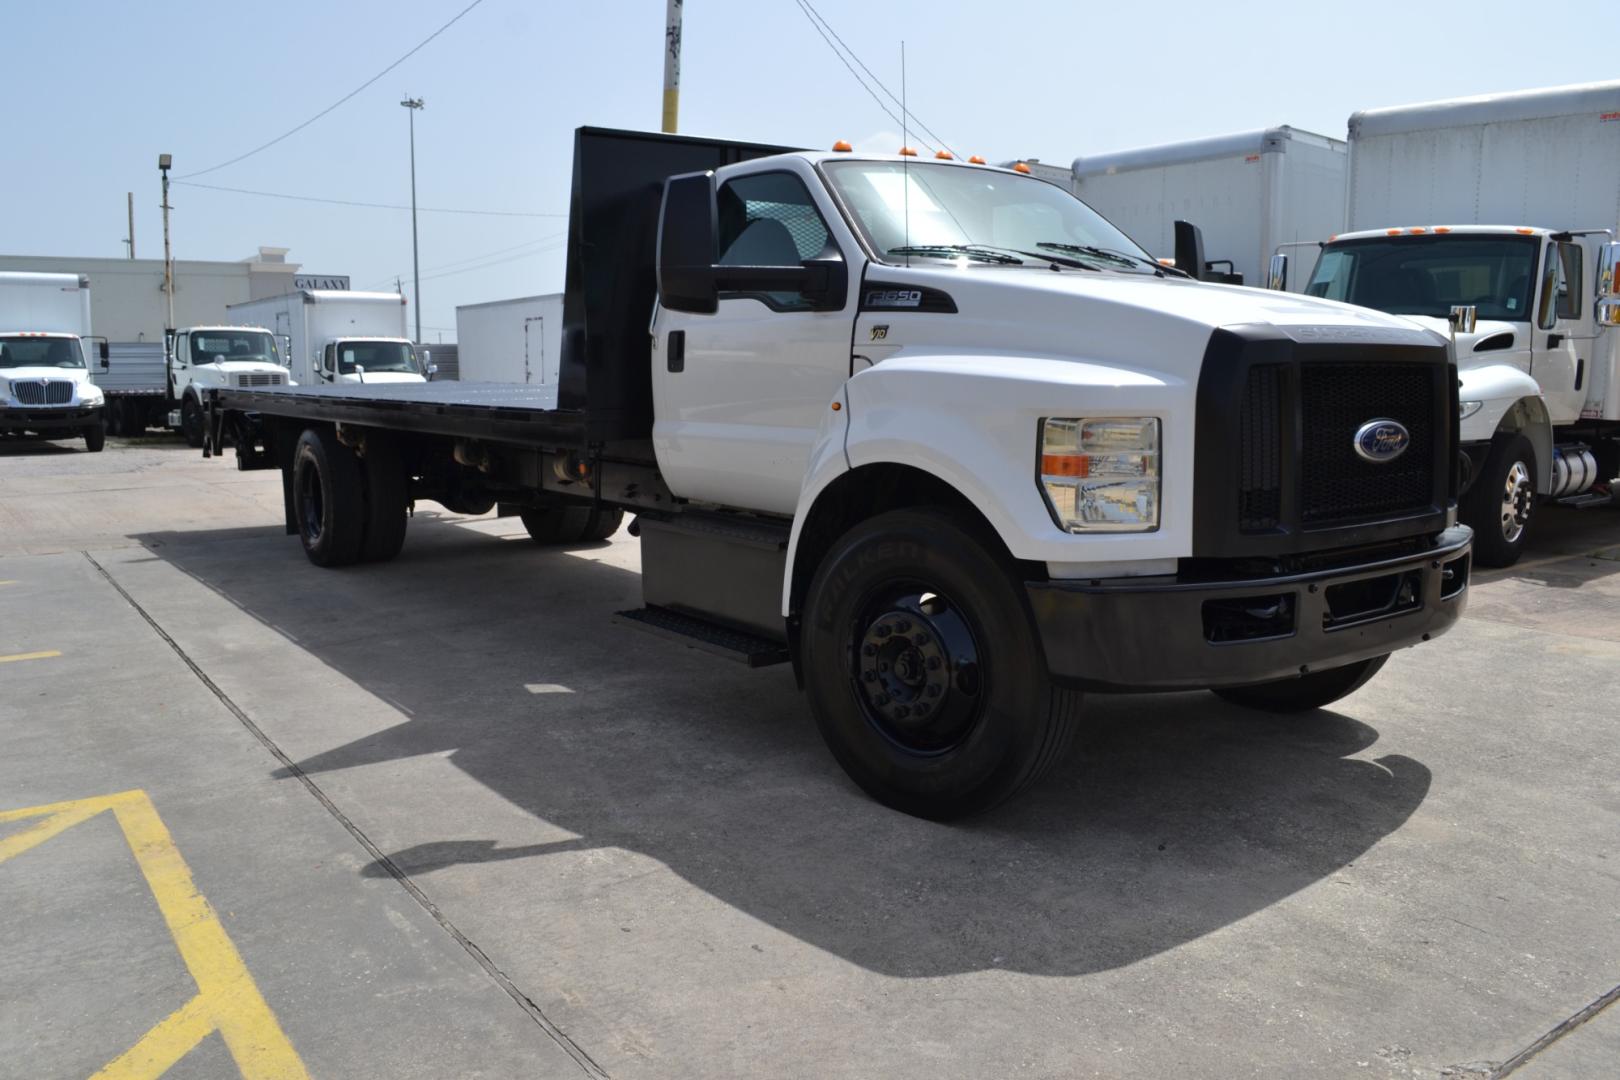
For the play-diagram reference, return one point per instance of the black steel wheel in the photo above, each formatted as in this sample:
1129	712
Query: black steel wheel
923	669
328	499
1305	692
191	422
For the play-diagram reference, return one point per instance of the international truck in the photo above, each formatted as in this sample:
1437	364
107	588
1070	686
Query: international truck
939	436
161	385
337	336
516	341
46	387
1251	193
1499	213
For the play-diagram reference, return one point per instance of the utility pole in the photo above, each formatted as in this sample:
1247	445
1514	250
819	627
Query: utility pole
164	163
130	239
672	65
414	104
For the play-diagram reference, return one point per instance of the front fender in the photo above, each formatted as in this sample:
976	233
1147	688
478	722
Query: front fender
1512	402
972	421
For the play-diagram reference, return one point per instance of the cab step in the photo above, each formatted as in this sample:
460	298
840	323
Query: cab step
698	633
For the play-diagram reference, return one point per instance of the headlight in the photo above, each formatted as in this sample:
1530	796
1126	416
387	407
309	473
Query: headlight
1101	474
1465	409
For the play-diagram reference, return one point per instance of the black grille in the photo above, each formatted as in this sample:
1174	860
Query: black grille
1260	457
44	392
1336	399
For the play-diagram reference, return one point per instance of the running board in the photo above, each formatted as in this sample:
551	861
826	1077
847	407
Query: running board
1586	501
745	648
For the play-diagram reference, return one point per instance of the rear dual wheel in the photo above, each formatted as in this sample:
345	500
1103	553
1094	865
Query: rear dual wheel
564	522
349	509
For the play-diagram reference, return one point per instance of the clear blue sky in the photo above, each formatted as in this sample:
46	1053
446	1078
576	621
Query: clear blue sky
97	89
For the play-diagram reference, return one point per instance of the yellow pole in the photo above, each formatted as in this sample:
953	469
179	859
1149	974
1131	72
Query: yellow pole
672	65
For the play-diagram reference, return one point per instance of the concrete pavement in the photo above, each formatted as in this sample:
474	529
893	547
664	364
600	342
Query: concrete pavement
467	825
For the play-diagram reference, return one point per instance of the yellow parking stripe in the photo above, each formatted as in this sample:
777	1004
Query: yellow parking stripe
46	655
12	582
227	1000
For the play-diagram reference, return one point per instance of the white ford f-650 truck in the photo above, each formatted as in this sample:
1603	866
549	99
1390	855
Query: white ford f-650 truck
941	437
46	387
1503	209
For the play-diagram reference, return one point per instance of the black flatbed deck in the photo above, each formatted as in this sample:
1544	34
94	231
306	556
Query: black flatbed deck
503	412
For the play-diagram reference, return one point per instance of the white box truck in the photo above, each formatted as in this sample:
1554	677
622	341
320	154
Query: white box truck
338	336
941	437
512	341
46	387
1250	193
1503	209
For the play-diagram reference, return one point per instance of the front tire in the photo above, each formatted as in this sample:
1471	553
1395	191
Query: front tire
191	422
1499	505
95	437
328	499
923	669
1307	692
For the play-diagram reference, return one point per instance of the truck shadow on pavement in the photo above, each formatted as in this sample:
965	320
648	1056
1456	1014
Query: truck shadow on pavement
1179	814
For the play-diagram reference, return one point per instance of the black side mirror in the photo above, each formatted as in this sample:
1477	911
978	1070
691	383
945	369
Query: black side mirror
106	353
688	244
1190	249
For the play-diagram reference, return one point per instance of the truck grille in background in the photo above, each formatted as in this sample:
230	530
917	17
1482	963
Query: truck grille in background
1260	460
1335	400
44	392
258	378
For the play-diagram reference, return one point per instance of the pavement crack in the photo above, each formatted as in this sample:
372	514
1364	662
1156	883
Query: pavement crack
1568	1025
587	1064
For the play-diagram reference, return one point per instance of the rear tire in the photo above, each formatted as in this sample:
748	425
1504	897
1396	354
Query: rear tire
387	499
923	669
1502	500
95	437
1307	692
604	521
556	523
191	422
328	499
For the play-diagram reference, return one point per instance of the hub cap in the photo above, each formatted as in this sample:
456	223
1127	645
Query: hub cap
1518	496
916	669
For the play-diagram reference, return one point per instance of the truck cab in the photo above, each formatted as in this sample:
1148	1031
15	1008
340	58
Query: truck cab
1529	308
46	383
369	360
203	358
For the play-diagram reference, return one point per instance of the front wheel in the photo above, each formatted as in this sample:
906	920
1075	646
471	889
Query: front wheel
923	668
191	422
1307	692
1499	505
95	437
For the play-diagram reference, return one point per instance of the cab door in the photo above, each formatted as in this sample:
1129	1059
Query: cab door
1560	353
738	395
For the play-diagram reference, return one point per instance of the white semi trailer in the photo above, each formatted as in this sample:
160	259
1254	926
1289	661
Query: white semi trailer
1502	209
511	341
1250	193
46	387
337	336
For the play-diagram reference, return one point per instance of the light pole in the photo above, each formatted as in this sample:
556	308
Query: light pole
416	266
164	163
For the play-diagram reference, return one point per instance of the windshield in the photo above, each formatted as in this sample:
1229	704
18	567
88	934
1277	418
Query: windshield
925	210
234	345
58	352
1426	275
377	356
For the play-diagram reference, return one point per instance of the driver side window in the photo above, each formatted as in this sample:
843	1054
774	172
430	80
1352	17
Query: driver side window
769	220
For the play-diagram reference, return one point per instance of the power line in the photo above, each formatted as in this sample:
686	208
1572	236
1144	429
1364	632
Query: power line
419	46
803	7
492	262
486	255
370	205
815	16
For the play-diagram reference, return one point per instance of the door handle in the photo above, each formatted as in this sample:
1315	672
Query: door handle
675	351
1554	340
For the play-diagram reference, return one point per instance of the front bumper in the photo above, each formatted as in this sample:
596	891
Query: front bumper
1172	634
47	418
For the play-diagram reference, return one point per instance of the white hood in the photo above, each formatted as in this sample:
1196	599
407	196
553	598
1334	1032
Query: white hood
1484	329
386	377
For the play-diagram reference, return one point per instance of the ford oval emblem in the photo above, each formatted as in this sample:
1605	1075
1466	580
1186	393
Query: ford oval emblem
1382	441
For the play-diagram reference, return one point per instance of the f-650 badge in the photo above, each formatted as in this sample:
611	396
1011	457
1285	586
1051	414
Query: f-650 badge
894	298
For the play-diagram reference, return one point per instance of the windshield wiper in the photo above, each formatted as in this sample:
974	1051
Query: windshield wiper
972	251
1114	256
